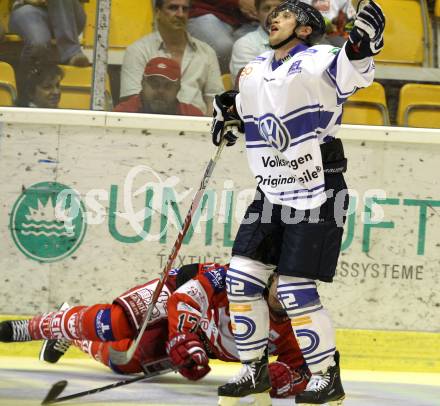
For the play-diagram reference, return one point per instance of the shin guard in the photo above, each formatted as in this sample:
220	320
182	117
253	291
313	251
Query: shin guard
246	280
311	323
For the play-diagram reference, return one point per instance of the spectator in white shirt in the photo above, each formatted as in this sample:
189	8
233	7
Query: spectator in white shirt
200	80
251	45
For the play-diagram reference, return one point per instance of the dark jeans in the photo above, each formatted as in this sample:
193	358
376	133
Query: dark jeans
63	20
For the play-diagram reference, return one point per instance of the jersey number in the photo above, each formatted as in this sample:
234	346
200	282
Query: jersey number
235	287
289	300
187	319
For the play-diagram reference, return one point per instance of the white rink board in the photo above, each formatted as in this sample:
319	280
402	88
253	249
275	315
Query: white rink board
388	274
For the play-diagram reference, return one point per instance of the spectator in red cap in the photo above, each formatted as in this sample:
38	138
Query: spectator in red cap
200	80
160	85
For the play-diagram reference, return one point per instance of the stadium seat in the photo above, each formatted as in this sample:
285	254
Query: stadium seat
129	21
367	107
4	19
419	106
8	92
4	14
437	28
227	81
76	88
407	33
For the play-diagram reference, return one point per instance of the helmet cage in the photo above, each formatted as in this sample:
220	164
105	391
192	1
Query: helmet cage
305	16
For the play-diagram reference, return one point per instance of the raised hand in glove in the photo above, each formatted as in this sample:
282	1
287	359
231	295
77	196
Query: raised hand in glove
366	37
226	123
285	380
186	351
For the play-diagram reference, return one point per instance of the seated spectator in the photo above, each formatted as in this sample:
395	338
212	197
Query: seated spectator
221	23
160	85
339	16
37	20
41	85
200	80
254	43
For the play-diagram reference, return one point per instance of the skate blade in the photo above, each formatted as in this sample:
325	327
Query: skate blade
338	402
259	399
228	401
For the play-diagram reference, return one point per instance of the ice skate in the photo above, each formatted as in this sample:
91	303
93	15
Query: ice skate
12	331
52	350
324	388
252	380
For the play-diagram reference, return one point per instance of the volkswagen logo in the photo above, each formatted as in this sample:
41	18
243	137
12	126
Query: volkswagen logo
274	132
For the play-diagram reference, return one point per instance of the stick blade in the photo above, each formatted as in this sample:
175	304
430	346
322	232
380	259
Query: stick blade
54	392
121	357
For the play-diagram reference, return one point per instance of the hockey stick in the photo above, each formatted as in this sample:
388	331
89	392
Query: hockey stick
151	370
123	357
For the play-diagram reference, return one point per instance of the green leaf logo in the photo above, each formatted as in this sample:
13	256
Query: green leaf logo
48	222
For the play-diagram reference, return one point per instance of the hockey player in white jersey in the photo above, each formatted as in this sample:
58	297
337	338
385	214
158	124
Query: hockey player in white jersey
290	107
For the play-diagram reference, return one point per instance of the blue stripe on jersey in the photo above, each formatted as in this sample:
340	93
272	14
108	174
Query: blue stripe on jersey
309	107
303	124
333	68
338	90
252	133
263	144
266	145
332	71
341	96
296	191
325	118
300	125
254	119
339	120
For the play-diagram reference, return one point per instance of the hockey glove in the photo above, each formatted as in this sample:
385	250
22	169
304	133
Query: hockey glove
285	380
366	37
226	122
188	354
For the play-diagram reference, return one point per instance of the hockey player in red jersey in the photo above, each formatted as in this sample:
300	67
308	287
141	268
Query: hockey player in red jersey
190	325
